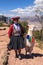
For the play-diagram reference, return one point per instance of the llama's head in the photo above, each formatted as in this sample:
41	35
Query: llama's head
30	30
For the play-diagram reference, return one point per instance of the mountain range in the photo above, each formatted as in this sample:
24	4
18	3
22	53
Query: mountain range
32	20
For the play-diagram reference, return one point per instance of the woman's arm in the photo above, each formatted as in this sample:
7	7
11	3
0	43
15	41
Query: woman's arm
10	31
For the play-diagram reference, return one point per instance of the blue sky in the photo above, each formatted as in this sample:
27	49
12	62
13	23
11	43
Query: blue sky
13	4
19	7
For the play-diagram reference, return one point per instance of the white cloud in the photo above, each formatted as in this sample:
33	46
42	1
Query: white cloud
27	11
8	15
38	5
30	10
17	10
38	2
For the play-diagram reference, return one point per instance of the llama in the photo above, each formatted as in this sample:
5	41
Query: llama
29	41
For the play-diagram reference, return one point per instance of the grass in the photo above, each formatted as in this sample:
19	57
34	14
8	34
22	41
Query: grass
40	44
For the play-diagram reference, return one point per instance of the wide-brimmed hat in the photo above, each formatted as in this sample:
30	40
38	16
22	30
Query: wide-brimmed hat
15	18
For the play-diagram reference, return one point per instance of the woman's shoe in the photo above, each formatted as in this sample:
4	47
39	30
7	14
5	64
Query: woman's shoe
19	57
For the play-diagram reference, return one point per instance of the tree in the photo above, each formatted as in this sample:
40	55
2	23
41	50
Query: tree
40	19
24	24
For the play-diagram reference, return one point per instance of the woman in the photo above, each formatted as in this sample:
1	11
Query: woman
16	37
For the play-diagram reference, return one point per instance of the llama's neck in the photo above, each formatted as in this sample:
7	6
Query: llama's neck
29	32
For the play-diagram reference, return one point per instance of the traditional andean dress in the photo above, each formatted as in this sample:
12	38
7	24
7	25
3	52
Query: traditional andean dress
16	37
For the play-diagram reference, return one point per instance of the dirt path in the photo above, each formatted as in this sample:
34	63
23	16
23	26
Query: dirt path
26	60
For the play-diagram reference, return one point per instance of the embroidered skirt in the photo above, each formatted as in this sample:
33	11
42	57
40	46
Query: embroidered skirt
16	42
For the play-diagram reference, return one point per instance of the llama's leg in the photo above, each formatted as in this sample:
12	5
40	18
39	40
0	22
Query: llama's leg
30	51
26	50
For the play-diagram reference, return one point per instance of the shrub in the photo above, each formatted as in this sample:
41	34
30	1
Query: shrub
11	22
40	44
1	23
37	34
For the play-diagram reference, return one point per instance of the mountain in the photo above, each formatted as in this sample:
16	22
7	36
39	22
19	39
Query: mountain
33	20
30	18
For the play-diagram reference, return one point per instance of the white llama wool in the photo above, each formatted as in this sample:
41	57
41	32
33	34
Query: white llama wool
31	28
29	45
